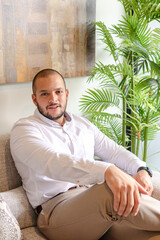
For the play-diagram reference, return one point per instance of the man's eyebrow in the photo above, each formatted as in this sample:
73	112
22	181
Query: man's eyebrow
43	90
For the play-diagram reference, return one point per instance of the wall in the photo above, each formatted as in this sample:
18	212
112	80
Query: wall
15	100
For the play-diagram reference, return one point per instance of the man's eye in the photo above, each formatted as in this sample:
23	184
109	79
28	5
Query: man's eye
59	92
44	94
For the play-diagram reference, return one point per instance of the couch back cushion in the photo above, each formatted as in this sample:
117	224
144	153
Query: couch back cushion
9	177
20	207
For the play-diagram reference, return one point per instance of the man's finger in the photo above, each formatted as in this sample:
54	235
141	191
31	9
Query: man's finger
123	202
136	203
141	189
130	204
116	201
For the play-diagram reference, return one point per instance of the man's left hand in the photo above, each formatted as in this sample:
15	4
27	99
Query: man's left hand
143	178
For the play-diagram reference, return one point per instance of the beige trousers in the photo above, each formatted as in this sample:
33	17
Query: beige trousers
87	213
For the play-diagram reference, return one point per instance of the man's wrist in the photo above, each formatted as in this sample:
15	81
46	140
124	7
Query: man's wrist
146	169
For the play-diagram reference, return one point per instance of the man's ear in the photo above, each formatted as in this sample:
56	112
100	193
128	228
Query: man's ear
67	93
34	99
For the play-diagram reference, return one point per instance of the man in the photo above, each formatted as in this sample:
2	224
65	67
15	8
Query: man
75	196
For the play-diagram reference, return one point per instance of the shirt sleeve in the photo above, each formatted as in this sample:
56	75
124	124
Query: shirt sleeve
109	151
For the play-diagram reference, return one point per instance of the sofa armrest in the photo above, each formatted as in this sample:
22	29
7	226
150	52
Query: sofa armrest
20	207
156	185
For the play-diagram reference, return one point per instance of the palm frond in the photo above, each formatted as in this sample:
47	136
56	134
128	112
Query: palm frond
108	76
152	132
156	37
148	85
107	38
149	9
109	124
98	100
101	72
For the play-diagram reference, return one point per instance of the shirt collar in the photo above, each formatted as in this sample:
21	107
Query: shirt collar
38	115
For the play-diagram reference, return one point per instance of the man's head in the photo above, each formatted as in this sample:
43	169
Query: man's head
50	94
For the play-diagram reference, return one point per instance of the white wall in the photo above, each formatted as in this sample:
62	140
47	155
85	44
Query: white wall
15	100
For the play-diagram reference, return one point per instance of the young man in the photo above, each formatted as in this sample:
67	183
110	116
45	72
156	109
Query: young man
54	154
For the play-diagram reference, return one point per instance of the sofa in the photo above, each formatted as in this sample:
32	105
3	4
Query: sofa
17	217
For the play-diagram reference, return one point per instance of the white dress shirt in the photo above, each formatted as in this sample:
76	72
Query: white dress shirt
51	158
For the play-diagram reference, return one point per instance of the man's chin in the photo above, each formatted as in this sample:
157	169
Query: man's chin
54	117
50	115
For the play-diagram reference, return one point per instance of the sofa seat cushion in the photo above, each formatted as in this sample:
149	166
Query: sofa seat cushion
156	185
20	207
9	227
32	233
123	232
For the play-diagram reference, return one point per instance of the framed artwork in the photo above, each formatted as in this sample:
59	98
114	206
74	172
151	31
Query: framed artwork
37	34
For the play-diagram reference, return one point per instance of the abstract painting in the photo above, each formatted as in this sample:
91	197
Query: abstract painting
38	34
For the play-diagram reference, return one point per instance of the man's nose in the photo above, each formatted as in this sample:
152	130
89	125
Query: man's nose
52	97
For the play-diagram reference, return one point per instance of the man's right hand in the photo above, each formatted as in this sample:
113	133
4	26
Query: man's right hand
126	191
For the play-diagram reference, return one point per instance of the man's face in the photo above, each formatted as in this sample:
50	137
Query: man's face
51	97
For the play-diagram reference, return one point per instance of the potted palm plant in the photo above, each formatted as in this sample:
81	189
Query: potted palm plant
132	83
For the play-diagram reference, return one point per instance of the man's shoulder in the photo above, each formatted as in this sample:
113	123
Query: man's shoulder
80	120
26	120
75	117
25	123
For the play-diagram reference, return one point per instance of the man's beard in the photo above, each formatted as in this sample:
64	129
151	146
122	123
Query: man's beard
47	115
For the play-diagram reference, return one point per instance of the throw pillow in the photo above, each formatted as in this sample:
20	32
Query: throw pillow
9	227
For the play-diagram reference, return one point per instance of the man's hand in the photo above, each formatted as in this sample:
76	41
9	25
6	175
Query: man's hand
143	178
126	191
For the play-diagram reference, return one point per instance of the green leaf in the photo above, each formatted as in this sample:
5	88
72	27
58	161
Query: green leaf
98	100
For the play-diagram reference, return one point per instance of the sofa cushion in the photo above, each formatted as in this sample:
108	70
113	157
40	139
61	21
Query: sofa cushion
9	227
20	207
156	185
32	233
123	232
9	176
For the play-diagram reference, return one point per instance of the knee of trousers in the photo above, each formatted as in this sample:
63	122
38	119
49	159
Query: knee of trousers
104	199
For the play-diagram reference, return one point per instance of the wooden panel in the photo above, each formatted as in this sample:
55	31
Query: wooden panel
37	34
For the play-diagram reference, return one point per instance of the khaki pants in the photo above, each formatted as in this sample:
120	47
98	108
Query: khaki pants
87	213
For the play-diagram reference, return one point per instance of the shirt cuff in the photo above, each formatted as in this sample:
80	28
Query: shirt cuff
98	171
